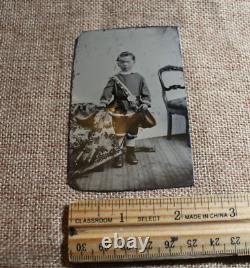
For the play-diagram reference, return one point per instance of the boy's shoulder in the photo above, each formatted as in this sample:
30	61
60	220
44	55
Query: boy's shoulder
138	75
134	75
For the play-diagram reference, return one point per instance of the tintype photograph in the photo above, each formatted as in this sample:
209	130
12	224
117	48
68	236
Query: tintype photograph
129	127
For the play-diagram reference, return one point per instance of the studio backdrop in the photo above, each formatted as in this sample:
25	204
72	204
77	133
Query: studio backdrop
154	48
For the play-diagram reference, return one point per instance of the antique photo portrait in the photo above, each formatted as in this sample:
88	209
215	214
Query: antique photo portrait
129	125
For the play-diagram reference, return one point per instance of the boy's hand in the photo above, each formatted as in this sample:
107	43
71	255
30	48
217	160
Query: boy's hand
143	107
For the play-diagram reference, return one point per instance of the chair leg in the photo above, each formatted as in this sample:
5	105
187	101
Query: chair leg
187	131
169	126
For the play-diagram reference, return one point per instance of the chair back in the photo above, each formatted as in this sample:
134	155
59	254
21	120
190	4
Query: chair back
168	68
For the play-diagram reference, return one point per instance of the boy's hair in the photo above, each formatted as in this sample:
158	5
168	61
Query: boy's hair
125	54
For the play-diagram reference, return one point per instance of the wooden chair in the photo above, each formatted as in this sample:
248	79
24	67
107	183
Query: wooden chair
175	106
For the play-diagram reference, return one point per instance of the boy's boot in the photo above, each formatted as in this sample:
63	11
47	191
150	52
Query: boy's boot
118	163
130	155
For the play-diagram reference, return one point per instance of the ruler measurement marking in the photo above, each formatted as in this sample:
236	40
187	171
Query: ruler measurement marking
71	212
98	209
126	212
208	205
153	207
170	251
167	203
235	204
221	202
202	248
194	203
85	208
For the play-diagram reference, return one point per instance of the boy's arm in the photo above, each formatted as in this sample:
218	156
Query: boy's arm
107	93
145	93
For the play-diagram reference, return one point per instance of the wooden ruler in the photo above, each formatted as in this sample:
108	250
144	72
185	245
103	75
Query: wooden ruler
177	227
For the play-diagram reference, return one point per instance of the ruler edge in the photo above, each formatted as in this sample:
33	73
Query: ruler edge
193	198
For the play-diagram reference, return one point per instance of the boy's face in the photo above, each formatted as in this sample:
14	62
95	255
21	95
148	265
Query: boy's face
125	63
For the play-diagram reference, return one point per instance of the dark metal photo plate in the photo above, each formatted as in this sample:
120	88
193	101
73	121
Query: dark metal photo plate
129	127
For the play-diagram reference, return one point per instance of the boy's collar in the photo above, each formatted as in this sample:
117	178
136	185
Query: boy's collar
122	72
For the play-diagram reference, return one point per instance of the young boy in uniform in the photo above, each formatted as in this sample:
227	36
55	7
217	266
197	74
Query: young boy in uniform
116	94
